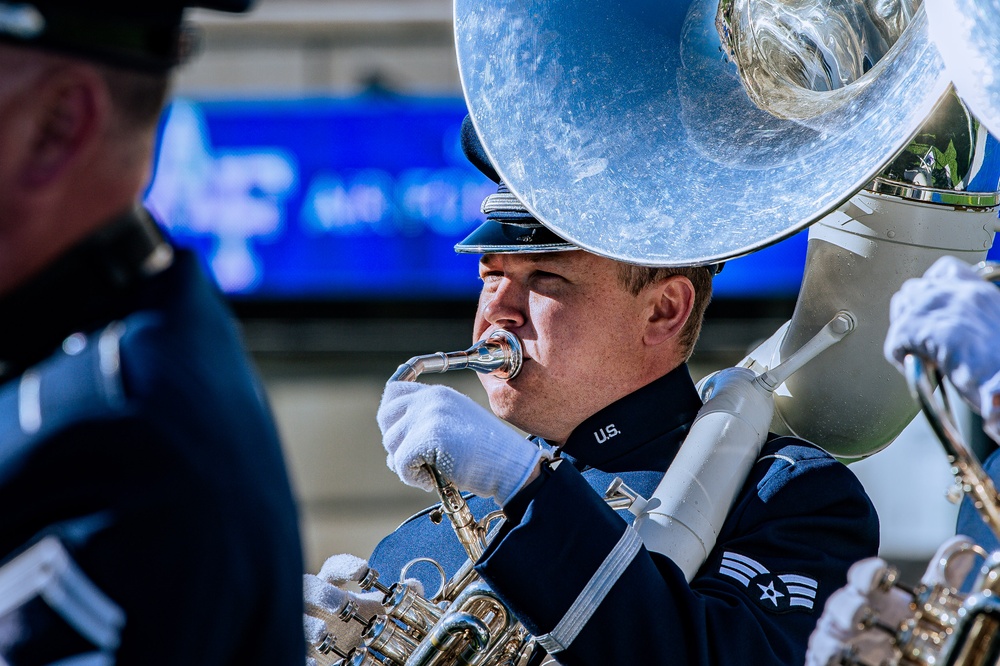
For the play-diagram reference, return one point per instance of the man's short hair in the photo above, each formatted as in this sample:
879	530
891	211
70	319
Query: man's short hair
636	278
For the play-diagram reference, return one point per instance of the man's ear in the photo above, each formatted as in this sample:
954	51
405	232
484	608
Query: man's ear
670	303
72	107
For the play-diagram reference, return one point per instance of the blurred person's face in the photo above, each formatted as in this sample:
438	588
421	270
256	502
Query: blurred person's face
20	68
61	177
582	333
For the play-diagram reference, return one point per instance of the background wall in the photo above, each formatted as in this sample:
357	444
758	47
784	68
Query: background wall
325	371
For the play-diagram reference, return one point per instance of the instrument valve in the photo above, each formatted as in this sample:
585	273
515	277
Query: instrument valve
955	493
329	645
350	612
888	580
370	581
362	656
390	640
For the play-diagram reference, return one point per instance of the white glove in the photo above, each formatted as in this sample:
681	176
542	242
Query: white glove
842	631
316	634
846	633
325	597
952	316
434	424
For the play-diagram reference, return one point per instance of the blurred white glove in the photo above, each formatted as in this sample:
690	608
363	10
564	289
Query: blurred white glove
469	446
952	316
848	631
844	630
325	598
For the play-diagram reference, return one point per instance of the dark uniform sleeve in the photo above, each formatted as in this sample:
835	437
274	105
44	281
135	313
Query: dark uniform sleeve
118	500
578	578
150	457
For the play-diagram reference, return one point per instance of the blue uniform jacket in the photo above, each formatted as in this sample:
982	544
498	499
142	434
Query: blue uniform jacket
146	446
569	567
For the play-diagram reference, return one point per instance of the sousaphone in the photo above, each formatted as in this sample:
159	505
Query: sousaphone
696	131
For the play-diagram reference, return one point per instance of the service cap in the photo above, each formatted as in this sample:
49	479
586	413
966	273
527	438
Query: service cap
146	35
509	227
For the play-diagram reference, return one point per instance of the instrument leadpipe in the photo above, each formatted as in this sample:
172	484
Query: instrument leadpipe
500	354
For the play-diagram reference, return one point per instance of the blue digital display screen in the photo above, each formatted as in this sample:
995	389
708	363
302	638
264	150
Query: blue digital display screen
350	199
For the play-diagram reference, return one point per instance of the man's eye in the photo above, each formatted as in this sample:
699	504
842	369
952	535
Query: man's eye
545	276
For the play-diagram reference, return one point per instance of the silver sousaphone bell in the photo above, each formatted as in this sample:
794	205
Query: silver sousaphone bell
627	127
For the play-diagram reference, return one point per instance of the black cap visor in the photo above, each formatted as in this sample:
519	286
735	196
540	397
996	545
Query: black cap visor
495	237
151	38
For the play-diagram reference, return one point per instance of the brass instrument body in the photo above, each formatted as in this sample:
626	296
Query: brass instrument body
463	623
946	627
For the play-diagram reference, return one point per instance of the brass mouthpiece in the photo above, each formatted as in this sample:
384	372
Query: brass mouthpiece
500	354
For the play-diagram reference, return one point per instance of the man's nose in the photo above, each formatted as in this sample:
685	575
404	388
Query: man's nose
506	307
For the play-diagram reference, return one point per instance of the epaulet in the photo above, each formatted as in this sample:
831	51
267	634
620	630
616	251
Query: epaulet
81	380
791	451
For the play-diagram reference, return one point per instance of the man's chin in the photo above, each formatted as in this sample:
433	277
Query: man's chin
505	403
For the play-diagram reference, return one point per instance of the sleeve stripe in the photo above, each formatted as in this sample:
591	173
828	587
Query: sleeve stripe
593	594
84	605
799	580
751	563
736	566
802	591
47	570
732	573
29	405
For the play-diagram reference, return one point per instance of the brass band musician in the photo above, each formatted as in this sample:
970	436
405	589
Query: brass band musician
605	391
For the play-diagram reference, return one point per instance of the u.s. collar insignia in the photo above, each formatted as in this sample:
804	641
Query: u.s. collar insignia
777	593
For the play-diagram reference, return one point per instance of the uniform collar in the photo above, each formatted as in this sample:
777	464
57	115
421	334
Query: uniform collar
93	283
643	430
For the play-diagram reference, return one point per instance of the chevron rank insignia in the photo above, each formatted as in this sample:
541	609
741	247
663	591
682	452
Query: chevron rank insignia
777	593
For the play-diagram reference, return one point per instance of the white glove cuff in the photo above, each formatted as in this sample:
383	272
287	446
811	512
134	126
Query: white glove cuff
314	628
512	485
